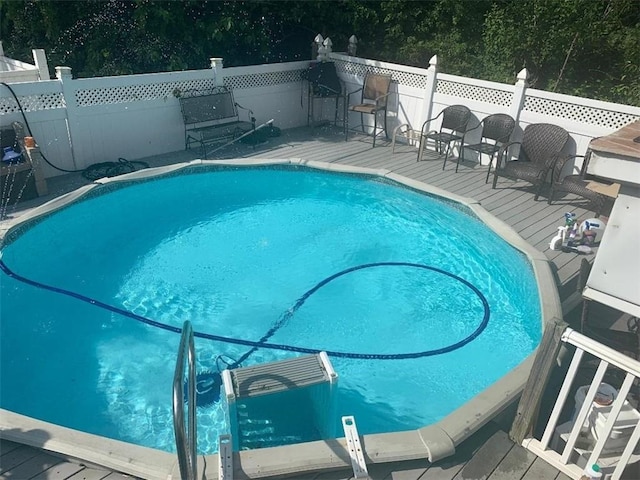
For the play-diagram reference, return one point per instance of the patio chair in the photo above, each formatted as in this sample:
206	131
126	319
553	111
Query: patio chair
576	184
539	149
374	99
452	129
496	130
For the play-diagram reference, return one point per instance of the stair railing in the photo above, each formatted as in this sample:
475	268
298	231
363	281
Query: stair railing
185	441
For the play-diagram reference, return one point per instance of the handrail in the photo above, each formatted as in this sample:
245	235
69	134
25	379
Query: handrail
185	441
562	445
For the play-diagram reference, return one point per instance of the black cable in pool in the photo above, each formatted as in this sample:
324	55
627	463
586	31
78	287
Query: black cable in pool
262	343
213	393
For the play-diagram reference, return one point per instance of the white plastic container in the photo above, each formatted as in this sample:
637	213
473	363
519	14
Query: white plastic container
622	428
605	395
599	413
592	472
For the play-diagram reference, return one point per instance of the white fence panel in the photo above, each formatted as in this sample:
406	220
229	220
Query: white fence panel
85	121
407	98
132	116
274	91
44	107
583	118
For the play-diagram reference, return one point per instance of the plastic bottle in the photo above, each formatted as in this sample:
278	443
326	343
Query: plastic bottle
591	473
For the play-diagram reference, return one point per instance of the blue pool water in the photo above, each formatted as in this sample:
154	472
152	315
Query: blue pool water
232	250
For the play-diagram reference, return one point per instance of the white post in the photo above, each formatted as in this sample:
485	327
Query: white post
429	90
1	49
519	94
319	47
63	74
40	60
217	66
353	46
327	44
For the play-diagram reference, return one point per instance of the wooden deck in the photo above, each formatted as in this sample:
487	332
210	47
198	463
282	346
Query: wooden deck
20	462
488	454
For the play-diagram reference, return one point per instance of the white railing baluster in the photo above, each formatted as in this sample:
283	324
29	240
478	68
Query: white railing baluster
626	454
611	419
584	411
562	397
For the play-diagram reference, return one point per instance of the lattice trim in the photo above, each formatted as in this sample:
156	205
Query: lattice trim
403	78
32	103
136	93
578	113
263	79
474	92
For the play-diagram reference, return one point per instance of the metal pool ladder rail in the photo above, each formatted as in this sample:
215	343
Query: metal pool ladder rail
185	441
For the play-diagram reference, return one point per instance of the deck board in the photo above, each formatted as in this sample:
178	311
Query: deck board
487	458
16	457
514	465
61	471
540	470
32	467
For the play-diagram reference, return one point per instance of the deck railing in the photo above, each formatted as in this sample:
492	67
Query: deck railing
570	448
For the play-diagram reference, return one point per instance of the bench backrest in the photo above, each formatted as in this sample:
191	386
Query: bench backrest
215	106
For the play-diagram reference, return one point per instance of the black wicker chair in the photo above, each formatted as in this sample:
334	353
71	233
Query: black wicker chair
576	184
496	130
453	127
539	149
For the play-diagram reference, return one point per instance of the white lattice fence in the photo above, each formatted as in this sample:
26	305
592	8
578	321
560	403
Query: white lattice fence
32	103
608	116
399	76
256	80
137	93
478	93
134	107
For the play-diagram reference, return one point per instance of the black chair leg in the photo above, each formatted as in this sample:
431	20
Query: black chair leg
538	192
495	178
362	123
460	156
346	123
375	128
446	156
386	132
486	180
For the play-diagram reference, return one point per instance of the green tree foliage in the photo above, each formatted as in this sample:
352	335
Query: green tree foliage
582	47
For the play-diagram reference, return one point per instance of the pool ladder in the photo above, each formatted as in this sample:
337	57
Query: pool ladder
185	441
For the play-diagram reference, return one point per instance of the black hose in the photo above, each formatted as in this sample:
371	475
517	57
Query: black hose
262	343
92	172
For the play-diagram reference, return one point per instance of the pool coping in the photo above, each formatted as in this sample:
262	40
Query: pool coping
433	442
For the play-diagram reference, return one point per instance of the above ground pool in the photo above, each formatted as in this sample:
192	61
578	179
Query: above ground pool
419	305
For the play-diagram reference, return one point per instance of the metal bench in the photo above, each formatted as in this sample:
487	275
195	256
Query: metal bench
211	116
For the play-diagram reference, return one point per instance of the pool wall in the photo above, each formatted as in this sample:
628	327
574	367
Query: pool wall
434	442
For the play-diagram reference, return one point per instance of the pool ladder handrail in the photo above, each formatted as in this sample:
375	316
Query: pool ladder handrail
185	441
